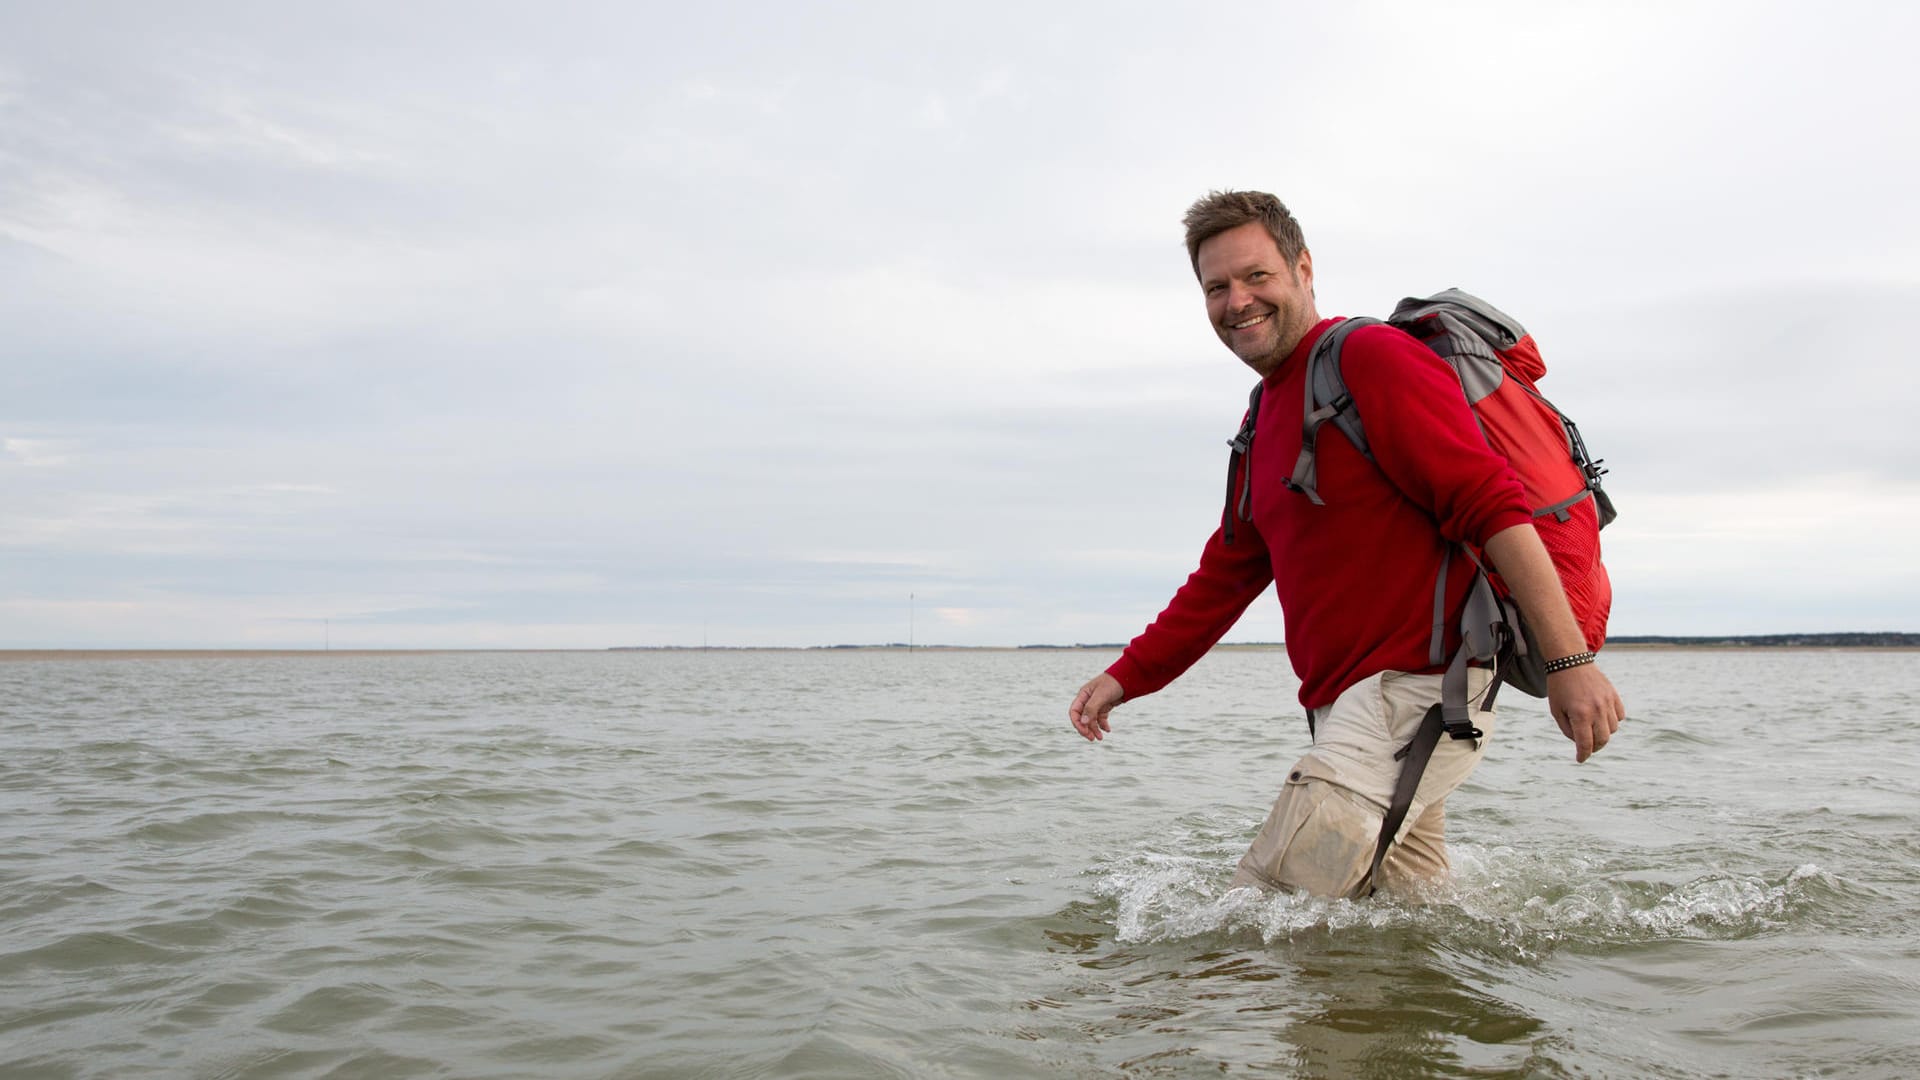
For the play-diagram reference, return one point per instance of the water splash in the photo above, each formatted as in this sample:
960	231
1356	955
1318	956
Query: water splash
1161	897
1525	904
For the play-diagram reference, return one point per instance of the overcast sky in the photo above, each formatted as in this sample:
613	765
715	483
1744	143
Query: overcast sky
580	325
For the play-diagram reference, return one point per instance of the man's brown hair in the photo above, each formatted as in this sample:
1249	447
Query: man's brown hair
1219	211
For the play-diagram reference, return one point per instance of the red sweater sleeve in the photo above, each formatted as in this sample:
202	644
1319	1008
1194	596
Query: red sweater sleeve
1425	438
1230	577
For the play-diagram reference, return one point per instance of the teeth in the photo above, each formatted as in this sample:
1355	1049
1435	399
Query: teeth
1250	322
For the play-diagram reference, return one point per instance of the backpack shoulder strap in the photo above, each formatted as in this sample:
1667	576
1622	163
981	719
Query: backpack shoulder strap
1326	399
1240	467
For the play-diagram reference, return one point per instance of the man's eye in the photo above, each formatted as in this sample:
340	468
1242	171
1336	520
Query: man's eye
1256	275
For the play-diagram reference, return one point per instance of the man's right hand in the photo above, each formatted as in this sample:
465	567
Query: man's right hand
1090	707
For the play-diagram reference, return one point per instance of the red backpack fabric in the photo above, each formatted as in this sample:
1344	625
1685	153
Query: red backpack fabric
1562	481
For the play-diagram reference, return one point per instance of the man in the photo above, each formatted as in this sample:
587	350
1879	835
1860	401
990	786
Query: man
1356	576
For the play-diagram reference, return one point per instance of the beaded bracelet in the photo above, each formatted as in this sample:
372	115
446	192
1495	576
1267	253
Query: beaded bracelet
1566	662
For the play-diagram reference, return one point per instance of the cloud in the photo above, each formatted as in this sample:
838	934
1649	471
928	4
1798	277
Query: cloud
624	325
34	453
1811	555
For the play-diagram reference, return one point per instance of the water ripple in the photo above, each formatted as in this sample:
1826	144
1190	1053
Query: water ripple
750	865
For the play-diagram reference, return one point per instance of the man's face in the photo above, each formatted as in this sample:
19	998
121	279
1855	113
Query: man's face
1259	305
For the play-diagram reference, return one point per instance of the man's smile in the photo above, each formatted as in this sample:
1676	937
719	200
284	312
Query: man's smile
1255	321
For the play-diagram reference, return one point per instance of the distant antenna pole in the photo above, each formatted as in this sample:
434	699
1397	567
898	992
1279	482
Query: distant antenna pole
909	622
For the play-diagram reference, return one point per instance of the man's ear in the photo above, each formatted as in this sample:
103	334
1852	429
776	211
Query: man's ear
1304	270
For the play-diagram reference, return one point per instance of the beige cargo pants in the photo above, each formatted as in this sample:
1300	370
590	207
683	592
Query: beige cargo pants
1320	836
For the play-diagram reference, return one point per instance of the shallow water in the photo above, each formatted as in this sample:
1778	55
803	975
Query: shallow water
843	864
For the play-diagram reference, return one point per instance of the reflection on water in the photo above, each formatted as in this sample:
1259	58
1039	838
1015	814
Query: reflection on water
1379	1005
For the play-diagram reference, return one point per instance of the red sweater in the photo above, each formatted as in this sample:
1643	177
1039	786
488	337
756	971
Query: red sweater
1355	577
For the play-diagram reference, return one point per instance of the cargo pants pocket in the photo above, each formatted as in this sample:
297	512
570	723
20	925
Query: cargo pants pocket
1318	838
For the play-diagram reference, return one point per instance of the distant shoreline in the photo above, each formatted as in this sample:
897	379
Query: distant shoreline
249	654
1770	642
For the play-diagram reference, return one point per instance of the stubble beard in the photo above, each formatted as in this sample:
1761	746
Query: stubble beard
1263	363
1266	355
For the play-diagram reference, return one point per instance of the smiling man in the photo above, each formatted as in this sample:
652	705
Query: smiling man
1356	575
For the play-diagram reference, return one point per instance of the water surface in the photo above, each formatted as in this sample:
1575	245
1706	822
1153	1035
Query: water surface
845	864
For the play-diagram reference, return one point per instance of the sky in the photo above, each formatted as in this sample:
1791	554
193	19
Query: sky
580	325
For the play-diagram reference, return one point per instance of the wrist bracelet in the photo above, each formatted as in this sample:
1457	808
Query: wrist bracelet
1566	662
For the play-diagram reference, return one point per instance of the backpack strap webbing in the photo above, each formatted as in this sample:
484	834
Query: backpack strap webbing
1326	399
1413	757
1240	467
1486	635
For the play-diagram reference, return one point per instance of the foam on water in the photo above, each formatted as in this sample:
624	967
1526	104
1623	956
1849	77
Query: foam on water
1530	904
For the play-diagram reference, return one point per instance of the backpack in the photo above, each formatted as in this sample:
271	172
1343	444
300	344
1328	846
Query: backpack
1498	363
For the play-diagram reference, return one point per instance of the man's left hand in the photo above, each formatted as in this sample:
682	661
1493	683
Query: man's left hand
1586	706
